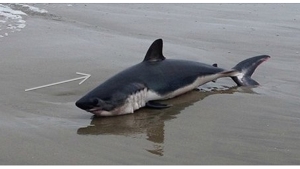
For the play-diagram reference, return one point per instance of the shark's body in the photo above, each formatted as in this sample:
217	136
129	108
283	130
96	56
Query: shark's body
157	78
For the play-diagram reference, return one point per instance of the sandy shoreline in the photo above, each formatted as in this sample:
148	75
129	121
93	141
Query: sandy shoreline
235	126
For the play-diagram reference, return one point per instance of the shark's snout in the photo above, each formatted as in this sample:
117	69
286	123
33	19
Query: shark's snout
82	105
86	104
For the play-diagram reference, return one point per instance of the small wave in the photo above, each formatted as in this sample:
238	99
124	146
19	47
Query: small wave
12	17
33	9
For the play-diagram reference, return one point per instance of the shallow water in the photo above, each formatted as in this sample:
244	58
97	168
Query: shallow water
218	124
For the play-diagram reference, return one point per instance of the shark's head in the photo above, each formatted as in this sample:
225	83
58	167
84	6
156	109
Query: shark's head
117	104
102	106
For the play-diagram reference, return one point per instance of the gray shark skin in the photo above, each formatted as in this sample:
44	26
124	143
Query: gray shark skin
158	78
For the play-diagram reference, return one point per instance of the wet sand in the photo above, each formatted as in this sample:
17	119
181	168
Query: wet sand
219	124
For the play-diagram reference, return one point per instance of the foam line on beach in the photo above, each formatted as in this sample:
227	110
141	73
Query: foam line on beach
12	17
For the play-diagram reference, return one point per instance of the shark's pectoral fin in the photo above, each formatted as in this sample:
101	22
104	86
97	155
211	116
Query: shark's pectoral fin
157	105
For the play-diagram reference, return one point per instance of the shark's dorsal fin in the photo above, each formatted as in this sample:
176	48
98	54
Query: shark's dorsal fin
154	52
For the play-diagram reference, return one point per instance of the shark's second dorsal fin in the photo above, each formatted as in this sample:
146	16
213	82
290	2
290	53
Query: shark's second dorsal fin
154	52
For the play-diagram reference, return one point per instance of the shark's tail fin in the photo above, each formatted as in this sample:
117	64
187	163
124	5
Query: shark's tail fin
246	68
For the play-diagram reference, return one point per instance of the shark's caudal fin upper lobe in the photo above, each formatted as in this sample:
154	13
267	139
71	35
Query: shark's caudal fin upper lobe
246	68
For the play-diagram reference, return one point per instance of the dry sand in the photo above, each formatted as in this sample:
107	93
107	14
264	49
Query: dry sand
231	126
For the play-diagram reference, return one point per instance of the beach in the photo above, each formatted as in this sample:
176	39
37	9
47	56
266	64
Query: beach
218	124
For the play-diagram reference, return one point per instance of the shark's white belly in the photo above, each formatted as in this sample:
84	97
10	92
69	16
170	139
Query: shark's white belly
198	82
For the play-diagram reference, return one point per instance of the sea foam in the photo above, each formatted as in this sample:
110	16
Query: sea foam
13	16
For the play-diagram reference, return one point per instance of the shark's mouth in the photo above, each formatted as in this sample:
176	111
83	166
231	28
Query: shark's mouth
100	112
95	109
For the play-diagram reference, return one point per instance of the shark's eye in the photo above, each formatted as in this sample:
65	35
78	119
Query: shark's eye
94	101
